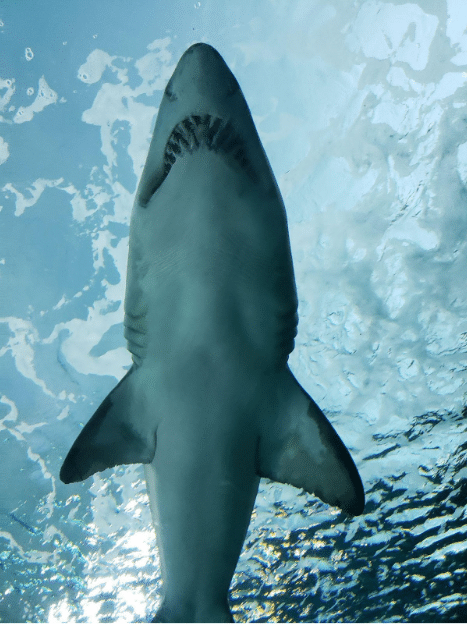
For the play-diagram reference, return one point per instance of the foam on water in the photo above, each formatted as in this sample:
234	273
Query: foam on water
361	108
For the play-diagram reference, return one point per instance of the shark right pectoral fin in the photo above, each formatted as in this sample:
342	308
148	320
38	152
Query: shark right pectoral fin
116	434
302	448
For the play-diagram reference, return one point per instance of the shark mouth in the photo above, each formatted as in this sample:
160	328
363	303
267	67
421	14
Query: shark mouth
212	132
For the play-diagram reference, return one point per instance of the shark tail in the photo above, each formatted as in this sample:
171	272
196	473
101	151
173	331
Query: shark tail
114	435
300	447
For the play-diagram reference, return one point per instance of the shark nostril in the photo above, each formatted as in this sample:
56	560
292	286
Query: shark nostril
169	92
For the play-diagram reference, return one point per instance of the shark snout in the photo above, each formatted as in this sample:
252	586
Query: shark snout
201	76
203	102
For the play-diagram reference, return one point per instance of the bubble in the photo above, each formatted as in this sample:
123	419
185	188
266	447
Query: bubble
29	54
30	91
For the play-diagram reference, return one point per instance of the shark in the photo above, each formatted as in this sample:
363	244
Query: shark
210	405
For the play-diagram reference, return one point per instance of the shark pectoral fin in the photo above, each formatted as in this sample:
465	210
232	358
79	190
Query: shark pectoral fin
302	448
116	434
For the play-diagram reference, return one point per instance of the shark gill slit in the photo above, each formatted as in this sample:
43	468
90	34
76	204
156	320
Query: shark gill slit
135	335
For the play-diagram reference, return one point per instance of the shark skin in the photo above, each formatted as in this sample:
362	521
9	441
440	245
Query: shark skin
210	405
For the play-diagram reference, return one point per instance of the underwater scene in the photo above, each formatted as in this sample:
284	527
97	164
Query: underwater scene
362	110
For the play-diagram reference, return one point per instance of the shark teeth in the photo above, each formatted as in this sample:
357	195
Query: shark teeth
213	132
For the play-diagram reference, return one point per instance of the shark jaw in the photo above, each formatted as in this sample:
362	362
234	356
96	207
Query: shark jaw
210	405
202	103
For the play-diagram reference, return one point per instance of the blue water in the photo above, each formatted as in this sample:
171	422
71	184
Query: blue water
361	108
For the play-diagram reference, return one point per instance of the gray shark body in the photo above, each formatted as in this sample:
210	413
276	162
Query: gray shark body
210	405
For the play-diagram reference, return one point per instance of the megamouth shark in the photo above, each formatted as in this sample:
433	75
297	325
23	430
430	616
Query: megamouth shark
210	405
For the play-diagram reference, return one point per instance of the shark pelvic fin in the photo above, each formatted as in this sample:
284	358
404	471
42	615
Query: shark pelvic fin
302	448
116	434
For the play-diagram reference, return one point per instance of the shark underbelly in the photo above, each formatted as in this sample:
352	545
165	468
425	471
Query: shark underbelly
210	405
213	473
217	322
205	278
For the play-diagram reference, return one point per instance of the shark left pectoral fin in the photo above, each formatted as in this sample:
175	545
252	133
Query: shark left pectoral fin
116	434
302	448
